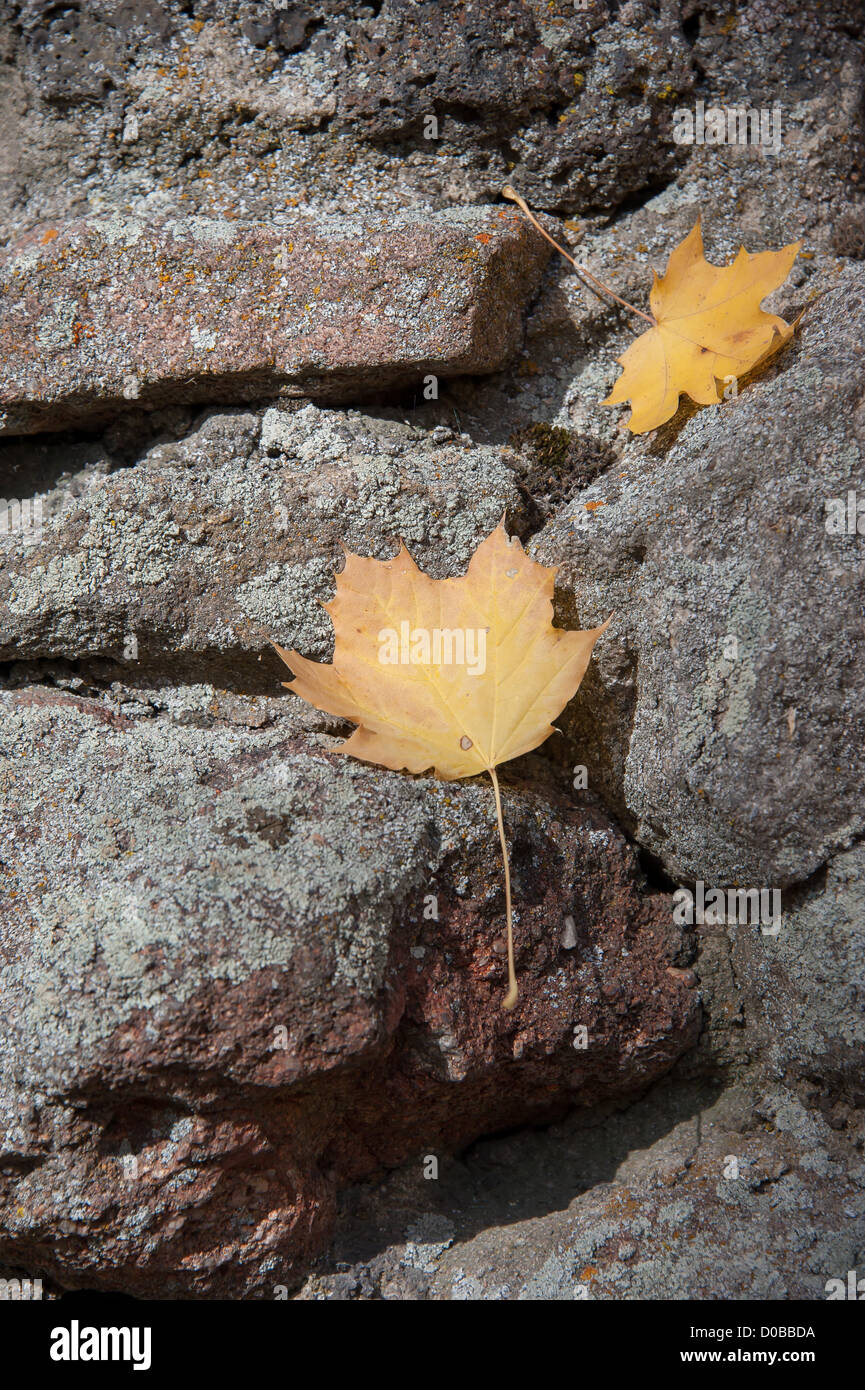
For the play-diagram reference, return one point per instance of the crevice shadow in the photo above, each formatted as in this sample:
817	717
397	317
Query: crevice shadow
504	1179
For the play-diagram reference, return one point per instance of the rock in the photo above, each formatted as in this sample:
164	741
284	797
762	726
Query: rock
228	539
728	700
255	108
226	993
100	313
805	986
188	867
248	110
684	1197
739	1176
497	73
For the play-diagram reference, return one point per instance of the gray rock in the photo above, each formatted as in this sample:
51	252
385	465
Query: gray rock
226	993
686	1196
172	821
725	720
805	987
249	108
229	539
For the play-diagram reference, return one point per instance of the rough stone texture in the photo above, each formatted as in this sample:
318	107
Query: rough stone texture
645	1203
248	110
139	114
730	702
99	313
174	898
805	988
229	538
245	107
641	1205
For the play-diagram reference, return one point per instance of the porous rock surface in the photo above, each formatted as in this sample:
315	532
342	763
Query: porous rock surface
312	1025
240	1055
228	538
105	311
689	1195
736	661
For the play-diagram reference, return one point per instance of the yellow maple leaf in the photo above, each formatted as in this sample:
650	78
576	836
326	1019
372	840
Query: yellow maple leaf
708	327
455	674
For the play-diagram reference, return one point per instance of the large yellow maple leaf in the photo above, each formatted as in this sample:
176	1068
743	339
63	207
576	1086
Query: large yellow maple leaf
708	328
458	675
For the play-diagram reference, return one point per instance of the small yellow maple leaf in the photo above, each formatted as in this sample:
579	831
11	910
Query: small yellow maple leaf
708	327
455	674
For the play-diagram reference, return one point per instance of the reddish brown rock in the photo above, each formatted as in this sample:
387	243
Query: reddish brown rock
101	313
222	999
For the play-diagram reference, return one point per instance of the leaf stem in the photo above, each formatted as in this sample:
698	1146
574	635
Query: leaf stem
508	192
510	999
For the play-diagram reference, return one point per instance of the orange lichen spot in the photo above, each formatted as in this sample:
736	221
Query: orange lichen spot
49	236
593	506
483	237
82	330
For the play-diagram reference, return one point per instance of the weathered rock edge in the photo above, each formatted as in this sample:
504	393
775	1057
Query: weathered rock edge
177	903
102	313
